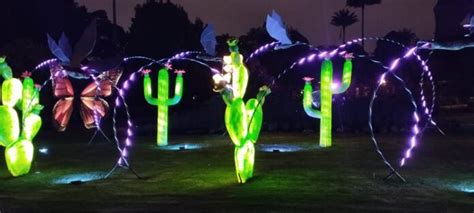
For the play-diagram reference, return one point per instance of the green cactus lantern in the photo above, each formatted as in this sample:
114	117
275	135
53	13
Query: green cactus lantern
163	101
328	88
243	121
17	134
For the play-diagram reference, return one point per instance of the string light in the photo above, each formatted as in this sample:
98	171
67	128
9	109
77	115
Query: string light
393	65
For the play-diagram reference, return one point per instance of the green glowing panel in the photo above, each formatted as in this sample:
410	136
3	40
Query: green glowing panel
243	120
27	101
16	134
163	101
326	104
10	125
32	125
19	156
328	88
255	116
236	121
11	92
244	157
5	70
308	101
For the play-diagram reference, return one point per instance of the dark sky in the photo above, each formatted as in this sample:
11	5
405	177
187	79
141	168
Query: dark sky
310	17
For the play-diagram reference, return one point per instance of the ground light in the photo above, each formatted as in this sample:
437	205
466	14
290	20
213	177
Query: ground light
43	150
465	187
279	148
182	147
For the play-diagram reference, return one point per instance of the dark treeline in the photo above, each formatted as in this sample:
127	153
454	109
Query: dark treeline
161	28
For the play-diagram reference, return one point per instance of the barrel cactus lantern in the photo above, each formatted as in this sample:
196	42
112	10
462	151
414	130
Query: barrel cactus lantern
162	101
243	120
327	89
17	133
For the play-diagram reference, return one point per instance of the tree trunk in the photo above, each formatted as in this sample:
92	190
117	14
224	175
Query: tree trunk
343	34
114	12
363	26
114	21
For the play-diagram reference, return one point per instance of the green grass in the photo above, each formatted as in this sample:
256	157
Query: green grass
346	177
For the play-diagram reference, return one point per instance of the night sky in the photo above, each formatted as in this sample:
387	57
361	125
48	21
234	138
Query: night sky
310	17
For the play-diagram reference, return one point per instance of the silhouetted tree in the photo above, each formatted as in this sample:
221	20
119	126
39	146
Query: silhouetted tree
449	15
386	51
343	18
362	4
161	29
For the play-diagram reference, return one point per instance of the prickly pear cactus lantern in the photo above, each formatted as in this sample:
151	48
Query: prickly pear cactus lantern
163	101
17	133
243	120
327	89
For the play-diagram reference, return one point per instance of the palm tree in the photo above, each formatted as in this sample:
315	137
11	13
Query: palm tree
361	4
344	18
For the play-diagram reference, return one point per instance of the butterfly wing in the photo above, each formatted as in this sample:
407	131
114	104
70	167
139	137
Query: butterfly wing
471	24
63	90
62	113
276	29
64	45
107	80
208	40
85	45
91	107
92	103
57	51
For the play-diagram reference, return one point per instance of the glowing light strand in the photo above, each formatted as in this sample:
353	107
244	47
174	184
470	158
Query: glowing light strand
415	129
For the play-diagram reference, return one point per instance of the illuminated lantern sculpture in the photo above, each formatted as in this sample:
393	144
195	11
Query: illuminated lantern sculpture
162	101
327	88
243	120
17	133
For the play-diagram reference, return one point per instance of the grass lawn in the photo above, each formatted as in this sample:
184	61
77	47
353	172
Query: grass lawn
346	177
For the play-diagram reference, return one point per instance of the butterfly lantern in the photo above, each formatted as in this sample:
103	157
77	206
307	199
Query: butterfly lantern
75	66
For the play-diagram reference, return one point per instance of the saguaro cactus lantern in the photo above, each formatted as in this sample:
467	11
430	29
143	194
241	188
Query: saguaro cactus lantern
17	133
243	121
162	101
328	88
